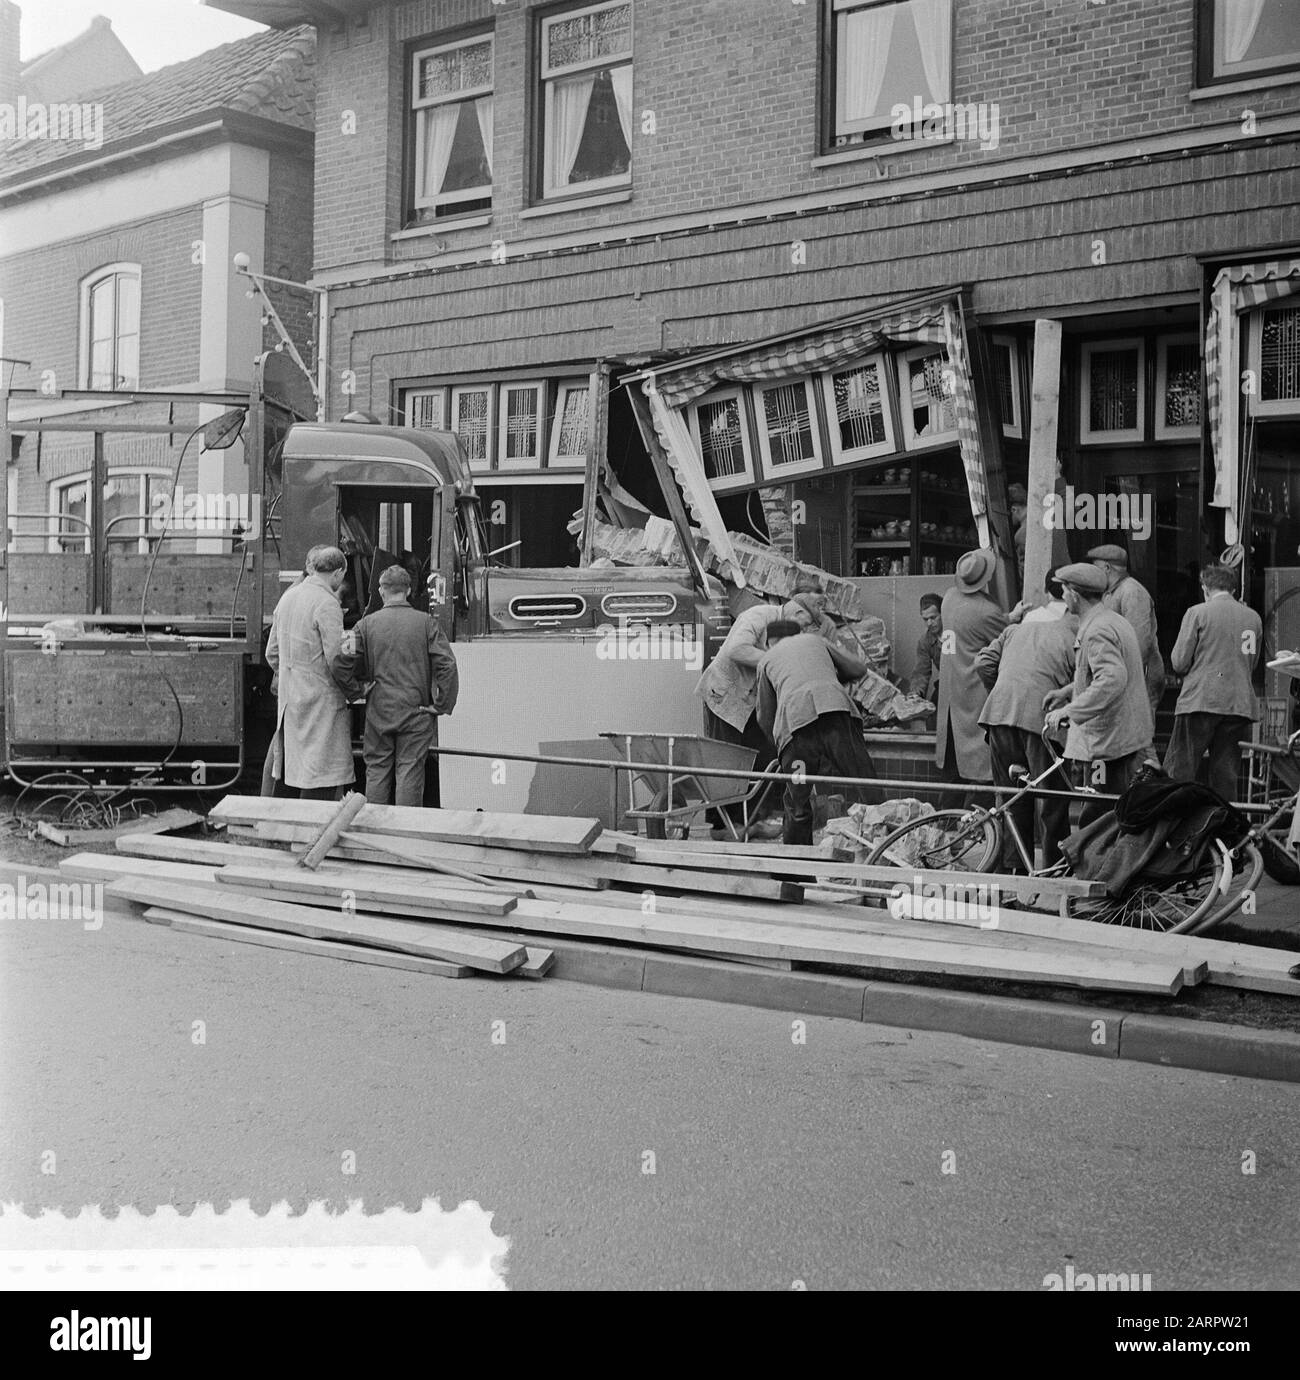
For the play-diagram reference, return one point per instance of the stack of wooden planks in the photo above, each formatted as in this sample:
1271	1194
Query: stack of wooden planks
459	892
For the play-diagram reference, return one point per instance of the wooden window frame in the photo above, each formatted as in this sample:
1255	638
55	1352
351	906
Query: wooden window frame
538	388
1260	406
540	102
1087	348
778	474
86	289
443	395
839	457
1287	70
828	78
911	441
1013	426
1160	430
554	460
749	475
485	465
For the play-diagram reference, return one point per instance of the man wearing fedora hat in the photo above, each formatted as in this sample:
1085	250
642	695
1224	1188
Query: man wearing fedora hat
1126	595
971	620
1107	706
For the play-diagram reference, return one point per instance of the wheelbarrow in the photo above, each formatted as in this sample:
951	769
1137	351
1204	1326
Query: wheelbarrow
679	783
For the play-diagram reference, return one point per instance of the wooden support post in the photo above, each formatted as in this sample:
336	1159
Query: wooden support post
1043	416
597	443
348	810
98	534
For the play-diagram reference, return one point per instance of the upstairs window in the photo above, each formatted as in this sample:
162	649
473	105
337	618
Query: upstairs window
586	104
451	98
110	328
897	53
1247	38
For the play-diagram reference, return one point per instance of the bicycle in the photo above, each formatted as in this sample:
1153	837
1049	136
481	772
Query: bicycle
970	840
1273	780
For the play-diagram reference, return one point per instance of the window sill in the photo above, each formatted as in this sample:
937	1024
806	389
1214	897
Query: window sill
583	203
1264	82
856	155
460	223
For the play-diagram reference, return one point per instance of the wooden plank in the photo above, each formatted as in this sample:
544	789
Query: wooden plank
369	893
377	931
810	945
538	964
884	876
147	824
199	850
294	943
1043	451
498	863
857	920
107	867
772	848
592	871
537	833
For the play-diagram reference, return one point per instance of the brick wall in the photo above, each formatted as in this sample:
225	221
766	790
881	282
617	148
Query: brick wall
42	295
733	85
289	247
1021	247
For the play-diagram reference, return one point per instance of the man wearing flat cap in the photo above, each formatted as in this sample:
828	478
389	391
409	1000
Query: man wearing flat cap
1107	707
1125	595
729	683
971	620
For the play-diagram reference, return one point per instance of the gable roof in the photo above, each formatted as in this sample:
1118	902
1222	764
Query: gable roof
95	48
268	76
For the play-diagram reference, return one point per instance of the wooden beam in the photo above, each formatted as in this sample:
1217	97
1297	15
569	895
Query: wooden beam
146	824
375	931
353	888
537	833
293	943
1043	441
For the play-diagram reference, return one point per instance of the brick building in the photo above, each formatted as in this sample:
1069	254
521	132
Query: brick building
510	196
116	248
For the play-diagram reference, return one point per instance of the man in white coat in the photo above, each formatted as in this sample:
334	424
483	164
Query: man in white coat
314	724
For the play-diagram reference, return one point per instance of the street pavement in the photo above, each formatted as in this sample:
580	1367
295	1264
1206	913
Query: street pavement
774	1160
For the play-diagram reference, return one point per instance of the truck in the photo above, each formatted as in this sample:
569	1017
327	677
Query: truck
128	664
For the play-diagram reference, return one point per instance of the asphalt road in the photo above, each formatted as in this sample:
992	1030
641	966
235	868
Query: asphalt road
774	1161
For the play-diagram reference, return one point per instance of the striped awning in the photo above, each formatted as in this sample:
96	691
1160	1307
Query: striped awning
1236	291
936	322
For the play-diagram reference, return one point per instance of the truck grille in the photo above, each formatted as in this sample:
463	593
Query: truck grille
640	604
547	608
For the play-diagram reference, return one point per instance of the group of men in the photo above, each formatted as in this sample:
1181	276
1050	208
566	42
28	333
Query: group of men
396	655
779	685
1086	664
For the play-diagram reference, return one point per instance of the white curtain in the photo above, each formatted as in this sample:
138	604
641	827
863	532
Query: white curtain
1240	19
570	102
866	55
483	109
622	79
933	19
439	135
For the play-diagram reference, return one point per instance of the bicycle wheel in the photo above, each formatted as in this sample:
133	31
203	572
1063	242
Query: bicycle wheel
1163	905
946	841
1247	869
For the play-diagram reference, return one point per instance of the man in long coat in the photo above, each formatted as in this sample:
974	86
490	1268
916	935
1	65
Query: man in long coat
1128	596
1218	646
971	620
1107	706
314	724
